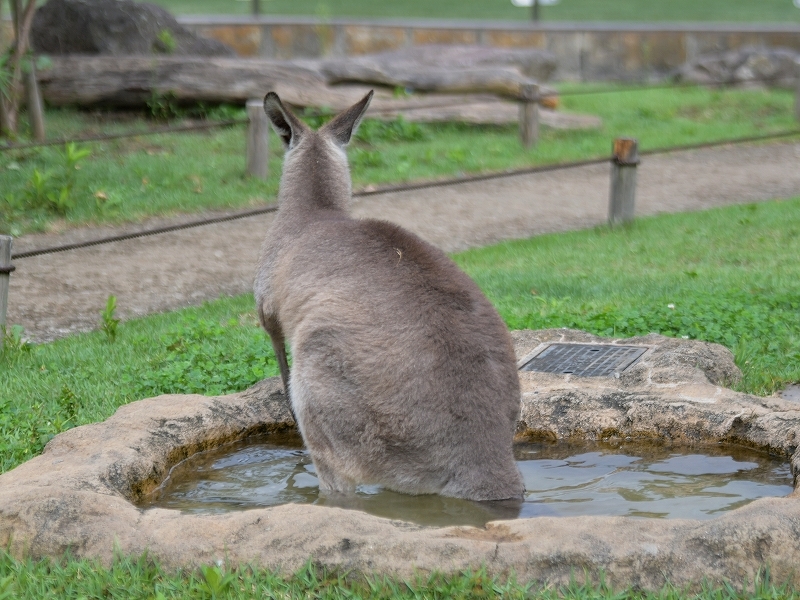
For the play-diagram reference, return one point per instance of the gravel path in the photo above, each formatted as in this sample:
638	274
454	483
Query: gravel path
57	294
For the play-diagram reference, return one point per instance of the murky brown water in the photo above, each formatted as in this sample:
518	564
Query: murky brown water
561	480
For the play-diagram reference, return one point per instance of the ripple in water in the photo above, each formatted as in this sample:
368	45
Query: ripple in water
561	480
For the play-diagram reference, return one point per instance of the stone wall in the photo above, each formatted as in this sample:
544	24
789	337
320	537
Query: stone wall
585	51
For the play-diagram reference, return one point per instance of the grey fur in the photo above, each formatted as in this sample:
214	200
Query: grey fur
403	373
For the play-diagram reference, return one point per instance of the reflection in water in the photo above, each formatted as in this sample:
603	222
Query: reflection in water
561	480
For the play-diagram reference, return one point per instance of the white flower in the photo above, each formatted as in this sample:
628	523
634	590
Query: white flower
671	306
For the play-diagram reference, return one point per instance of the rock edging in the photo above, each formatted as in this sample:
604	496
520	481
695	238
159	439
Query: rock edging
78	494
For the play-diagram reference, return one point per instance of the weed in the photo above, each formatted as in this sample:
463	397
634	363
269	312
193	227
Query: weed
14	342
109	321
49	190
215	580
163	106
165	42
73	155
69	404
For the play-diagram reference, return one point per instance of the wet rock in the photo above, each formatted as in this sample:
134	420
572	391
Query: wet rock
78	495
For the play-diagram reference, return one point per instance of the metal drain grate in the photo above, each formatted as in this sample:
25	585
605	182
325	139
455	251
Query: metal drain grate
584	360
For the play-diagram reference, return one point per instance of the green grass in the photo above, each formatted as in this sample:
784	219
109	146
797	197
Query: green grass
728	275
749	11
129	179
142	577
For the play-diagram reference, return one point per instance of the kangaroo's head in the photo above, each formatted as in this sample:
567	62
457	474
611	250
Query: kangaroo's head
315	169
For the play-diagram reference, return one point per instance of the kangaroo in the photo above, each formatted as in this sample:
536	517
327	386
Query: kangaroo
403	373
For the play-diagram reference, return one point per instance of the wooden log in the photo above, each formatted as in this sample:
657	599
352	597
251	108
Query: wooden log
529	114
622	201
5	271
440	65
257	140
133	81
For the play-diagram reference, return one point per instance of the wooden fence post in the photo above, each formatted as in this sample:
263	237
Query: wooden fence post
622	202
257	140
35	109
529	114
5	271
797	89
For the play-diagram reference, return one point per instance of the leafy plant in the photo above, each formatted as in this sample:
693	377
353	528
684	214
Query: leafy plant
73	155
109	321
163	106
52	189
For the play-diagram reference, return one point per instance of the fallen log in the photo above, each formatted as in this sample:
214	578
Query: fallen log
133	81
445	68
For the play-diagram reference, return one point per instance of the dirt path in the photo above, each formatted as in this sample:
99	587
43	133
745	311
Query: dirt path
57	294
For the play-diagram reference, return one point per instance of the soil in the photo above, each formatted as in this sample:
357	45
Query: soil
54	295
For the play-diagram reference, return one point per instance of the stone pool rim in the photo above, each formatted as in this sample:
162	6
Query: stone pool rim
77	496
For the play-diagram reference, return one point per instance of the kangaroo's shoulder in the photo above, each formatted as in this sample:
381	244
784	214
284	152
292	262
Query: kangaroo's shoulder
417	260
412	247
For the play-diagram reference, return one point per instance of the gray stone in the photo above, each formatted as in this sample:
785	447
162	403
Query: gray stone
115	27
749	65
79	494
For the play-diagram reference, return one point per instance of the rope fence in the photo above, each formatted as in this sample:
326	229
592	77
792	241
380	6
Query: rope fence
614	158
624	162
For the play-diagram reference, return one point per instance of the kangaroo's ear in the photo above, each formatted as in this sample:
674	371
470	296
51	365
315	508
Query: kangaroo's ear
344	125
286	125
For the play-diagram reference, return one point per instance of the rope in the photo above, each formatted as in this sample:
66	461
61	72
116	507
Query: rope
146	232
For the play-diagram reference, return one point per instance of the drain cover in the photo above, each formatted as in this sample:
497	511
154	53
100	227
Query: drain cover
585	360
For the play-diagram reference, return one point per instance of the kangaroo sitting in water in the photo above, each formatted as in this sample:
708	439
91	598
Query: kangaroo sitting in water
403	373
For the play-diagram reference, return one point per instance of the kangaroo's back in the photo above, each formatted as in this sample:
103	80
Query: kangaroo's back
403	373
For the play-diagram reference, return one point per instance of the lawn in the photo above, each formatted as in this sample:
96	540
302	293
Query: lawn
129	179
727	275
747	11
141	577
